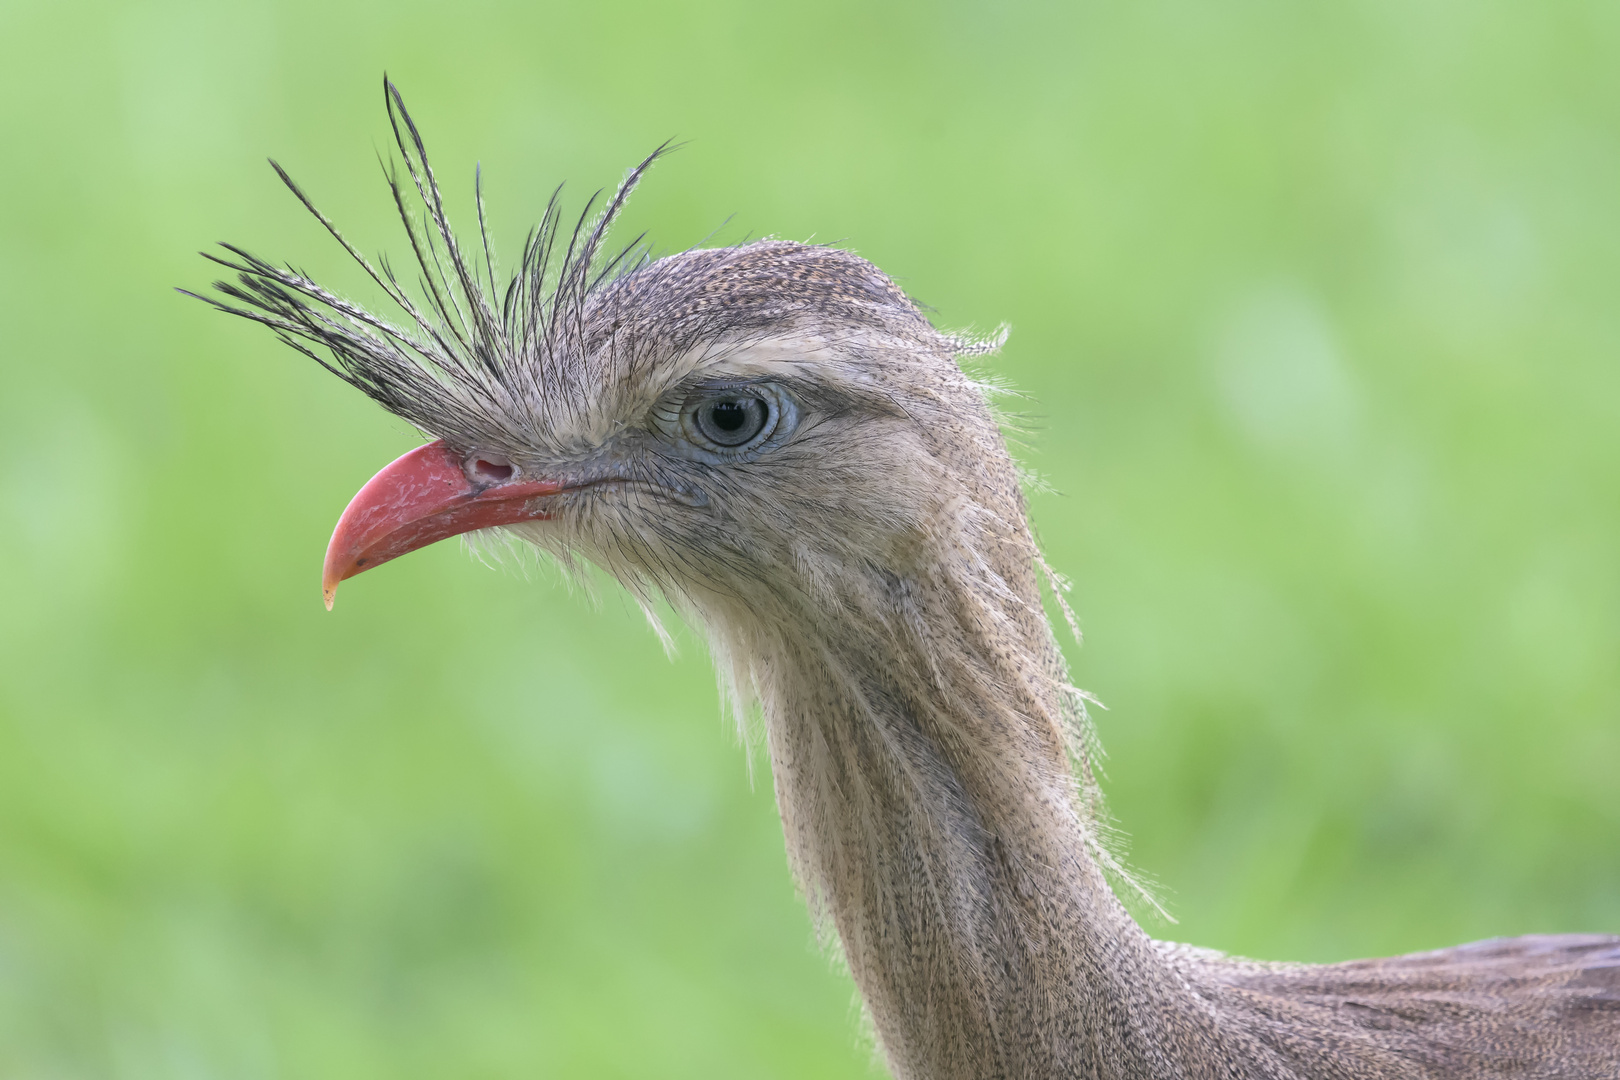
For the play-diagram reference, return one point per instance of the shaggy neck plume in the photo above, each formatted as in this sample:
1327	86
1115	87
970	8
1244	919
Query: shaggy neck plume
916	721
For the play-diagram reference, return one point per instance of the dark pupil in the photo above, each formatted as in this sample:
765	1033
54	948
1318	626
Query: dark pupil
729	415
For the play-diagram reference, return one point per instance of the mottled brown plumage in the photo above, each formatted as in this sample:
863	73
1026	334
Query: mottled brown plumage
867	578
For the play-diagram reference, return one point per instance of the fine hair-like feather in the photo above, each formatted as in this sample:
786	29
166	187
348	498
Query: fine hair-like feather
469	353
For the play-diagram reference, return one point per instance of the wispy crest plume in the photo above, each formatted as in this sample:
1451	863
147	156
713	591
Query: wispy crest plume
468	353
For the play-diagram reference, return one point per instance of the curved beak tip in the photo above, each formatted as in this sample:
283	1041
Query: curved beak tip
331	575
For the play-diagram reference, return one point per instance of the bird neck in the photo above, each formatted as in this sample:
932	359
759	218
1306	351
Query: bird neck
919	746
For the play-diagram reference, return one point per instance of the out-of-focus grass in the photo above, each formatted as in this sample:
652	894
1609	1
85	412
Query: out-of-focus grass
1316	306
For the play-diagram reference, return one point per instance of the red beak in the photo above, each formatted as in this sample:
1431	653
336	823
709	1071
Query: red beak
424	496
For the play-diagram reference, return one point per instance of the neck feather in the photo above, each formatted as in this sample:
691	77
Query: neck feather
920	728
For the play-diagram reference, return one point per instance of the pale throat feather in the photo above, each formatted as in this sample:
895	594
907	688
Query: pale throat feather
920	726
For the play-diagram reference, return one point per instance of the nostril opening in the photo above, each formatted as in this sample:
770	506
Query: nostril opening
492	472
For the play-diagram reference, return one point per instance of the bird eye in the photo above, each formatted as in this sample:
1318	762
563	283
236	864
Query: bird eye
727	421
732	420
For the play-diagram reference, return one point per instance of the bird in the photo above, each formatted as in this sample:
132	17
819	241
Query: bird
774	439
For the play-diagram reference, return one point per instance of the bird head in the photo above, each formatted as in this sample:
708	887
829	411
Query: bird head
738	429
773	438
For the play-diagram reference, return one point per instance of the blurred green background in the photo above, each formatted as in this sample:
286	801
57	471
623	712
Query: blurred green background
1318	309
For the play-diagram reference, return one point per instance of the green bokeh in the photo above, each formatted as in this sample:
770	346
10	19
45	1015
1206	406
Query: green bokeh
1318	309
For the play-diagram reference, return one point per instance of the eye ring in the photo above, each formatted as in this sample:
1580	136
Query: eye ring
731	420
